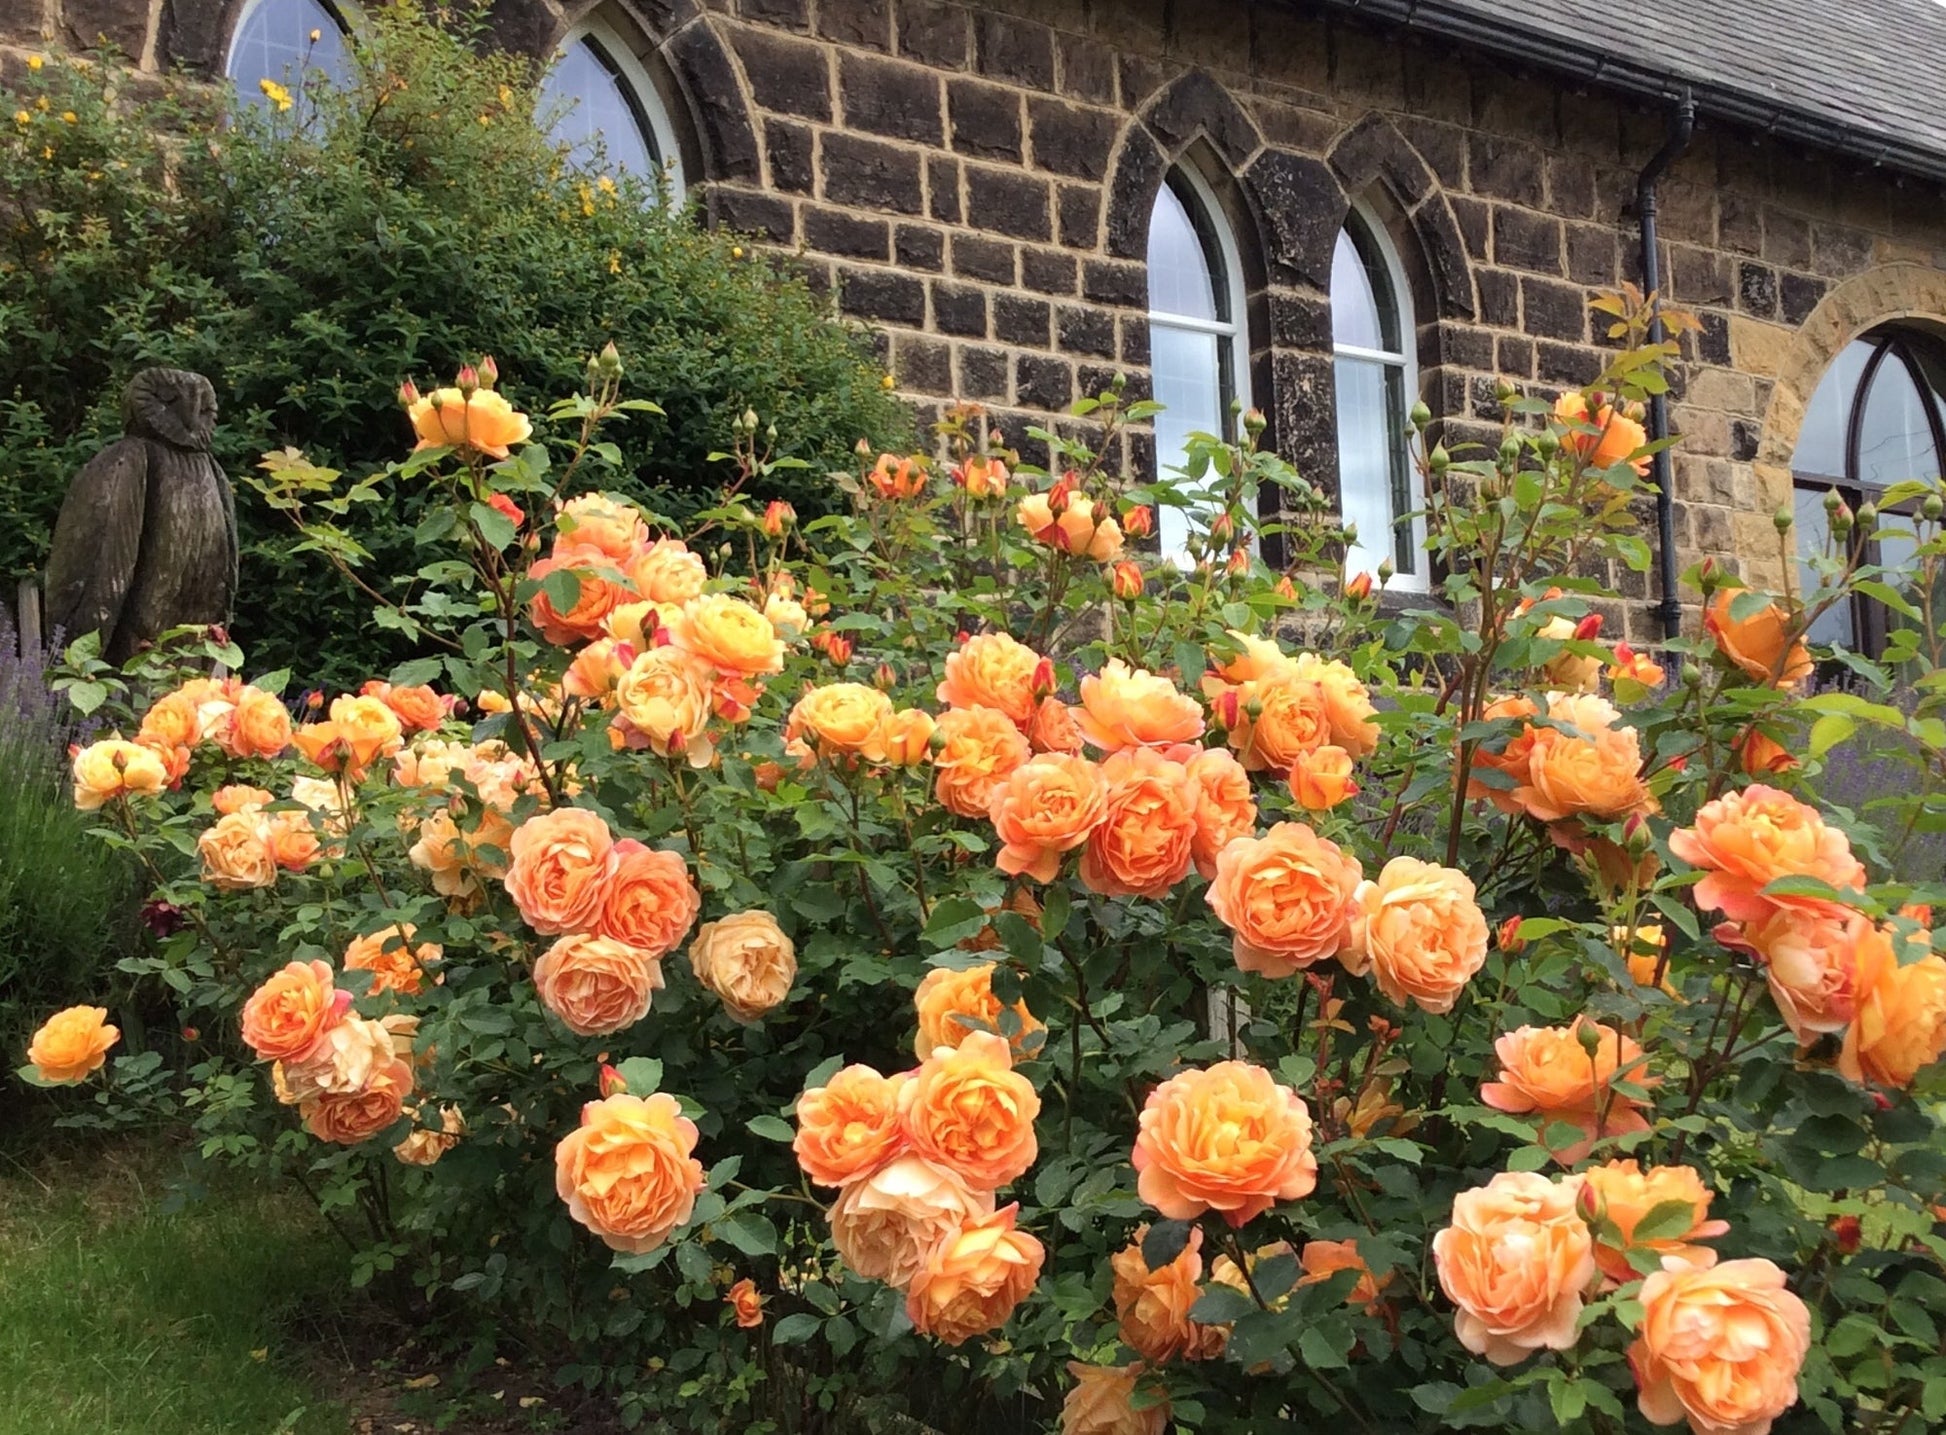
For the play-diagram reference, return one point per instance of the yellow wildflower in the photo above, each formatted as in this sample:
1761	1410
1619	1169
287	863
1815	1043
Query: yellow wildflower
606	186
21	117
68	117
614	261
276	94
34	62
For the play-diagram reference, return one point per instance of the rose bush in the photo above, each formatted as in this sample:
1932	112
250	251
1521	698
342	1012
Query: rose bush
1119	992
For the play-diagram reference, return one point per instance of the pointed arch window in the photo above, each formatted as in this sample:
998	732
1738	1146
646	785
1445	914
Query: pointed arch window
600	101
1876	418
1198	347
284	41
1376	379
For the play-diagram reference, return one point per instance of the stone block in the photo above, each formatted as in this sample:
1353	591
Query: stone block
789	14
1553	311
1798	295
1507	169
1759	348
1072	139
990	259
1049	271
960	310
934	34
882	295
1120	284
847	235
856	23
1077	207
943	190
1757	289
753	212
1007	202
1018	51
790	150
871	173
1042	381
1303	208
891	98
922	365
915	246
1086	331
787	76
1022	319
985	119
1523	239
122	25
1084	69
983	373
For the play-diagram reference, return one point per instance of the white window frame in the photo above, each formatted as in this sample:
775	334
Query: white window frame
1406	361
635	77
1232	334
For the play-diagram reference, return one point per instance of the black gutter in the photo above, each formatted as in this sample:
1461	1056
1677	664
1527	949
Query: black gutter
1565	55
1682	124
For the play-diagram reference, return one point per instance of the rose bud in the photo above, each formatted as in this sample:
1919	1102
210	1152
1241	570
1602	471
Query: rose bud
1845	1234
467	380
611	1082
503	505
408	394
1126	580
1508	938
778	515
1139	521
1588	628
1043	681
1358	587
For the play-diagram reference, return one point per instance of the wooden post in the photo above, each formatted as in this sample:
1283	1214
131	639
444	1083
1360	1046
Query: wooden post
29	626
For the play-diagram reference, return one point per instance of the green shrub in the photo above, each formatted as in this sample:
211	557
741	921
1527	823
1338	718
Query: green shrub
310	260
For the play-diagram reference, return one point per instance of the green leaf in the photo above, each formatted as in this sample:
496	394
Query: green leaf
694	1263
749	1232
495	527
641	1074
1220	1305
795	1329
1163	1242
953	920
86	697
1325	1346
1665	1221
771	1128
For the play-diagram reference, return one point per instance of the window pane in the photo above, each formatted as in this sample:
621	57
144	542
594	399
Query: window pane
274	43
1821	442
1370	474
1837	624
1188	383
1355	318
1895	434
1179	269
593	115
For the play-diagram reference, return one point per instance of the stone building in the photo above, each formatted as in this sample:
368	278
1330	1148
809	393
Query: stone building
1320	207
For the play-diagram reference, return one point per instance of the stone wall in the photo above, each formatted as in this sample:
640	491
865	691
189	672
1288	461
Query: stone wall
974	181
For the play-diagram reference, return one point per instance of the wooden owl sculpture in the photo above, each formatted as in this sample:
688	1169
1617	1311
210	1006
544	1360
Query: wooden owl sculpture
146	540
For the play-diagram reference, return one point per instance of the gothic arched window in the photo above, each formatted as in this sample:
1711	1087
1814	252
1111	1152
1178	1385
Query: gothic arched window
283	41
600	101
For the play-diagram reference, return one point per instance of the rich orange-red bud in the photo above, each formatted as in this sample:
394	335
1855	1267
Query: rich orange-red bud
1760	754
1222	528
1044	681
1358	587
468	379
778	516
1063	490
1508	938
1846	1234
611	1082
1227	708
1285	589
1589	628
885	677
1239	562
408	394
504	505
1139	521
1126	580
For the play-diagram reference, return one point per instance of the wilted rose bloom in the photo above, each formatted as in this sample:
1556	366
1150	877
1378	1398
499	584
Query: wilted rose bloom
1101	1402
991	670
596	669
596	985
1046	807
663	703
1421	930
972	1279
1322	779
838	719
627	1173
1548	1072
236	853
849	1127
1745	840
1226	807
1616	1195
349	1117
649	901
1152	1306
1228	1138
1145	842
667	572
1898	1026
968	1110
1128	707
389	954
424	1146
728	634
1756	642
746	1304
112	768
1617	438
480	420
1517	1261
1286	897
72	1045
902	739
558	876
1720	1346
952	1003
747	961
1631	666
885	1223
977	748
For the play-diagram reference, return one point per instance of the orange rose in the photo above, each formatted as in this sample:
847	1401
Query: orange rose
1809	951
663	703
595	597
951	1004
839	719
648	900
1286	897
596	985
112	768
897	477
747	961
1899	1025
1760	755
1146	840
1517	1261
1130	707
1567	669
72	1044
480	420
1102	1402
1321	1260
1227	1138
239	797
389	955
991	670
973	1279
423	1146
559	874
259	725
1595	771
1616	1195
368	729
1756	643
968	1110
417	707
288	1017
596	669
349	1117
746	1304
902	739
1053	728
886	1223
1721	1346
849	1127
1225	805
1322	779
1547	1071
1045	807
1347	703
1290	720
1152	1306
1617	437
787	616
343	1062
1507	755
173	720
236	853
450	856
978	747
293	841
1745	840
1422	932
667	572
1078	528
593	520
627	1173
728	634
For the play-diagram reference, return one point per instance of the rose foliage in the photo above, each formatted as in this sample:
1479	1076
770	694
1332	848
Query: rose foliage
945	961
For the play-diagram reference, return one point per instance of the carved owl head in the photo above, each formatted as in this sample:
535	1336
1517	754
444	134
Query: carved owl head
172	405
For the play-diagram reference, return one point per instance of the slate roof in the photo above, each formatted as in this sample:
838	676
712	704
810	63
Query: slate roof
1867	77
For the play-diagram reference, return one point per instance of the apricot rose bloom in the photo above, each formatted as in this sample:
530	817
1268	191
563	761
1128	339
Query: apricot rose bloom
288	1017
368	729
839	719
349	1117
667	572
1347	703
1421	930
1226	805
991	670
236	853
849	1127
259	725
1756	643
559	873
595	597
728	634
627	1173
1745	840
1616	1195
945	997
1618	437
72	1044
968	1110
1286	897
902	739
1898	1025
481	420
1045	807
648	900
1719	1346
978	748
596	985
1517	1261
395	962
1130	707
1291	720
885	1223
1102	1402
1546	1071
1080	528
663	703
112	768
747	961
1322	779
972	1279
1810	960
1593	772
1228	1139
1152	1306
1145	842
747	1305
1053	728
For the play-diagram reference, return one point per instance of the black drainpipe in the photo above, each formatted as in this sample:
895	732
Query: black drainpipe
1682	123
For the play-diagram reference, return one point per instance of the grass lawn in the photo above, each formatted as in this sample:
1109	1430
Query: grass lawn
120	1318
